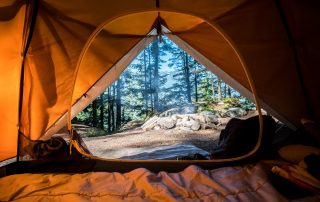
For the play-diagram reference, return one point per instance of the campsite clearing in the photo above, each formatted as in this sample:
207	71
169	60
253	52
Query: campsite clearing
109	146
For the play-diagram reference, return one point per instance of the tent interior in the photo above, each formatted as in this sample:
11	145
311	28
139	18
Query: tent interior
56	57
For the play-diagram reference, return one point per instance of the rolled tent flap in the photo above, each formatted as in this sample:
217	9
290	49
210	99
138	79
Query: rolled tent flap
12	18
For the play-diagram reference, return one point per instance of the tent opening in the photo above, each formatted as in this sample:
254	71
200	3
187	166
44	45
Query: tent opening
164	105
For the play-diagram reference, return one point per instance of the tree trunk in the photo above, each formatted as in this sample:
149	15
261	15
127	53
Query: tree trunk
156	74
109	110
102	111
196	83
229	91
118	104
123	117
113	115
225	90
187	76
213	89
94	114
150	80
145	83
219	89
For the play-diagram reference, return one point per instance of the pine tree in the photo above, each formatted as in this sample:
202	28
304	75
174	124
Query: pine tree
155	86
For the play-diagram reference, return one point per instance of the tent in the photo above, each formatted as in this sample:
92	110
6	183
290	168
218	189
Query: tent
57	56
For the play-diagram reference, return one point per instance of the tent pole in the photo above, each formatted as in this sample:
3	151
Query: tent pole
285	23
29	24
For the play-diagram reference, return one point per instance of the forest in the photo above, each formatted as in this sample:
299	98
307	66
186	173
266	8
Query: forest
162	77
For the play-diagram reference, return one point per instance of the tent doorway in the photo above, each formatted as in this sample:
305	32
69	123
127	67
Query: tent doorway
164	105
109	67
118	30
114	44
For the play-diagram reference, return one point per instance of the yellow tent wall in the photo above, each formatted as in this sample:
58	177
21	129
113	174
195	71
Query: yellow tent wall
12	18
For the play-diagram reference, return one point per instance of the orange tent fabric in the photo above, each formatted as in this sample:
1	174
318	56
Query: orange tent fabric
278	40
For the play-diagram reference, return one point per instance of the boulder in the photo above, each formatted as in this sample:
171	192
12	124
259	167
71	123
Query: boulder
189	123
166	122
205	126
170	119
210	117
150	123
194	125
224	121
174	117
198	117
235	112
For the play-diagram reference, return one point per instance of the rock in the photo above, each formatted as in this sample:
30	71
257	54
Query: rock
195	125
221	113
200	118
224	121
181	122
174	117
210	117
205	126
150	123
166	122
190	123
235	112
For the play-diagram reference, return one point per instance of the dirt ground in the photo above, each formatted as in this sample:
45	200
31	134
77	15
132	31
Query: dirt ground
105	146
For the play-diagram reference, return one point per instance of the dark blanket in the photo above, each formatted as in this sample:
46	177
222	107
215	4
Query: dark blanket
240	137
